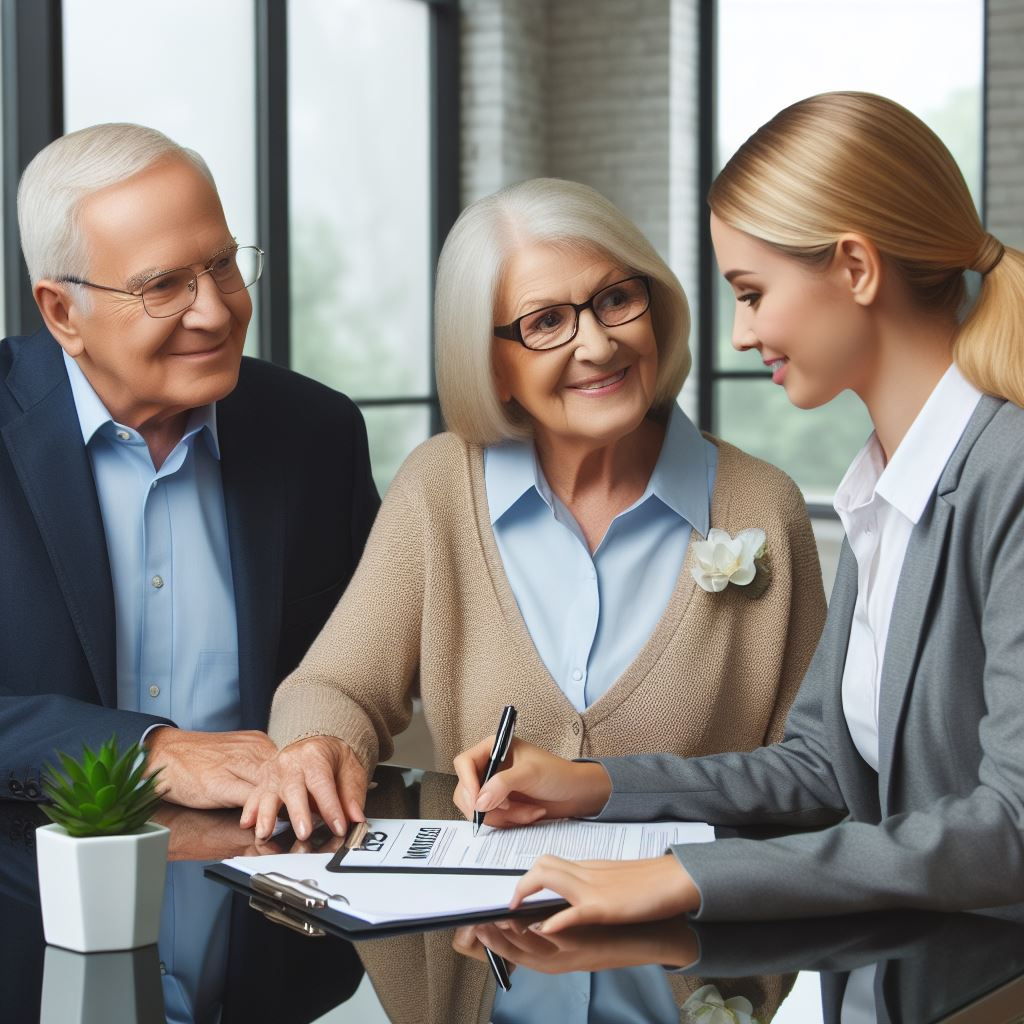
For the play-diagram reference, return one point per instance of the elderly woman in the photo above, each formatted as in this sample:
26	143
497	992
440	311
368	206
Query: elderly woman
542	553
547	553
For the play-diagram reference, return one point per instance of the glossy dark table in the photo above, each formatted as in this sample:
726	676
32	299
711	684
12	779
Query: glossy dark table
962	967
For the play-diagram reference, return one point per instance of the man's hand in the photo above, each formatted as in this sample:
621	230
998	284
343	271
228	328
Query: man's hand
207	769
535	785
216	835
321	767
610	891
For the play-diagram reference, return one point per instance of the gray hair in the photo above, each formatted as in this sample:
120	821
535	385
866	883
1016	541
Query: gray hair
69	170
469	270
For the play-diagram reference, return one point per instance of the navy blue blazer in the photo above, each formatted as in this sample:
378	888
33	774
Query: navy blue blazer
299	499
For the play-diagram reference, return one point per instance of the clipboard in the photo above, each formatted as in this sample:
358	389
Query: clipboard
293	904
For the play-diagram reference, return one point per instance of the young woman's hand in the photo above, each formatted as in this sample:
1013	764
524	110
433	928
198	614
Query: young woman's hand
534	785
669	943
610	891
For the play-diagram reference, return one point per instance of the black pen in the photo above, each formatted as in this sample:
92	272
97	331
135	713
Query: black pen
502	741
500	969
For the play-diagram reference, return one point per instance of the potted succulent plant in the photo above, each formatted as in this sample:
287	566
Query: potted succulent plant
102	862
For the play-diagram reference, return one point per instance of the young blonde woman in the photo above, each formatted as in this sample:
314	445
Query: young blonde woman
845	229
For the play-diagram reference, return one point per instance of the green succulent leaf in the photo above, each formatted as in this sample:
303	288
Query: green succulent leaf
106	797
91	812
73	769
99	777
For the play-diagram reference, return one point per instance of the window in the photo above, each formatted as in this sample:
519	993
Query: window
186	71
772	54
360	211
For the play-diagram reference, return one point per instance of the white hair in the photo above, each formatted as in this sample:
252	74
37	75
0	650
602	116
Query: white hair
69	170
547	210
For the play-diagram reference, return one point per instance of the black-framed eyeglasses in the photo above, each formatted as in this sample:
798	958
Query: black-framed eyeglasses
173	291
614	305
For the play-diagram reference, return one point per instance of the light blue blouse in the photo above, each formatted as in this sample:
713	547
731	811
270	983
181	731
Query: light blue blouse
589	616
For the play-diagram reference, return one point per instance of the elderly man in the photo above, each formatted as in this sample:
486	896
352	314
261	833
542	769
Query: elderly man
177	522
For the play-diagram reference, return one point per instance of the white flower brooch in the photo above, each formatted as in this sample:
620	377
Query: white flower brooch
741	560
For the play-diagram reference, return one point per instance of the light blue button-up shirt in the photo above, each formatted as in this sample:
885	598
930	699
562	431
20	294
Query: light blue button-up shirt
177	638
167	544
589	616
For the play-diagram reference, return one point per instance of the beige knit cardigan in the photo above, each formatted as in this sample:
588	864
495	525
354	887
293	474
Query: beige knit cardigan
430	612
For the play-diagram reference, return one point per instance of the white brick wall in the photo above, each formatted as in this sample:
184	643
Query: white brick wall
503	84
608	104
598	91
1005	128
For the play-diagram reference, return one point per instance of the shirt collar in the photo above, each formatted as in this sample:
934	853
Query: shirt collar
679	479
93	414
910	477
916	465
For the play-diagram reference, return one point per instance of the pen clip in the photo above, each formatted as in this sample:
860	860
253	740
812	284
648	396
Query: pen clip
506	730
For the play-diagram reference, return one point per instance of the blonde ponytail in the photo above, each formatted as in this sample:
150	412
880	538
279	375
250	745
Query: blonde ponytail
852	161
989	347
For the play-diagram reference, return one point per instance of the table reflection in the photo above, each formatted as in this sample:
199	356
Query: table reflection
885	967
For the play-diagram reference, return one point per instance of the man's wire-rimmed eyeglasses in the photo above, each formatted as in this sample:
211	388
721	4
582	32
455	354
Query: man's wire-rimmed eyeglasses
173	291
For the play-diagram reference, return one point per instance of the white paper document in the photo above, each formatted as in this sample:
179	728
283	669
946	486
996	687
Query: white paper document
384	882
442	846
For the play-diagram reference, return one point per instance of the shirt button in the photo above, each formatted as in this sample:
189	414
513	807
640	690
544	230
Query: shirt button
154	690
123	435
157	581
152	486
577	675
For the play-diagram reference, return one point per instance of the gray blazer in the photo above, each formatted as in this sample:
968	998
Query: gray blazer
941	825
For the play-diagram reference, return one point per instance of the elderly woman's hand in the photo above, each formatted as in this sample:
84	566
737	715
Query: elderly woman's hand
535	785
321	767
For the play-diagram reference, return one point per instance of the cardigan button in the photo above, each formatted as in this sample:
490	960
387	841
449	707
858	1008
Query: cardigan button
576	728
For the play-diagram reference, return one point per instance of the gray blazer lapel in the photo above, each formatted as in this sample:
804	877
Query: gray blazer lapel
921	574
856	780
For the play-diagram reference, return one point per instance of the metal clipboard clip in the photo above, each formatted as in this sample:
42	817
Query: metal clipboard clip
280	896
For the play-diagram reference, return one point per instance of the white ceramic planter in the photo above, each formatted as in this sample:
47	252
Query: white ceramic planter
101	988
104	892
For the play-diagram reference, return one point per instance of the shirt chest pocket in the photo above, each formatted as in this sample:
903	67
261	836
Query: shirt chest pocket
216	704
